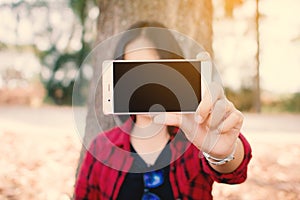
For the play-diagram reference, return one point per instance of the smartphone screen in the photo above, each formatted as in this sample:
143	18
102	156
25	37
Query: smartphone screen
156	86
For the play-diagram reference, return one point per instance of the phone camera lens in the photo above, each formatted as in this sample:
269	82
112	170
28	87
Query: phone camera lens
108	100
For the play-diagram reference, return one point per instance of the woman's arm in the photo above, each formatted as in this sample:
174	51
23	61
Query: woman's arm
236	176
213	129
232	165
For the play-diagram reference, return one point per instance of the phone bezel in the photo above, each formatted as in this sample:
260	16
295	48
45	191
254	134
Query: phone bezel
107	83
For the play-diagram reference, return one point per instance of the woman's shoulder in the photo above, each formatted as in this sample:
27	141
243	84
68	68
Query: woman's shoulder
115	136
102	146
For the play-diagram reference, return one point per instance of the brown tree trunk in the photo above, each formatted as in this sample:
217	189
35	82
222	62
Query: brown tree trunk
257	101
190	17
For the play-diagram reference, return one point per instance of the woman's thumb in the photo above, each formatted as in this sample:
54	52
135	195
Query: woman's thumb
169	119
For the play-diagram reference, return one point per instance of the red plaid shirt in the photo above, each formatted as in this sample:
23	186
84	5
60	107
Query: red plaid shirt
191	177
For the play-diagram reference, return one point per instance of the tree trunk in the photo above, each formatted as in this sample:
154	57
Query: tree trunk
257	102
190	17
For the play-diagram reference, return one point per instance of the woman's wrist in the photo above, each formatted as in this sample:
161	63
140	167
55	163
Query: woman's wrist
220	161
232	165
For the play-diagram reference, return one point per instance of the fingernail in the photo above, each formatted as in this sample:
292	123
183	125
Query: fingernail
203	55
198	119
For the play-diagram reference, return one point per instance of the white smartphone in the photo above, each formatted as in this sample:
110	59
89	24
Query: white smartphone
153	86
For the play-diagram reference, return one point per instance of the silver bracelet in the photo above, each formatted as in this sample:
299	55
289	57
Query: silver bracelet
220	161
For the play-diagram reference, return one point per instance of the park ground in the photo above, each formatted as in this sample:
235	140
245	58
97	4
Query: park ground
39	150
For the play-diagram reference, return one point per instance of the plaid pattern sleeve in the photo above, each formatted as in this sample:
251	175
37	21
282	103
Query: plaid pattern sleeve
86	185
239	175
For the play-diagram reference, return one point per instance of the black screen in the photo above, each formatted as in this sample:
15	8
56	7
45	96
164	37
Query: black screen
171	86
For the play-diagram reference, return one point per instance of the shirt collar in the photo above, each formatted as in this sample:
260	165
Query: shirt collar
122	138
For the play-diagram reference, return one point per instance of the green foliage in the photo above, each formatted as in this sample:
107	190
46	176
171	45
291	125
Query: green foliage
273	107
242	98
54	44
60	92
289	103
292	104
78	7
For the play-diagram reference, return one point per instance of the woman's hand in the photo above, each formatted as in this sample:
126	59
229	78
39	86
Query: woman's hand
215	126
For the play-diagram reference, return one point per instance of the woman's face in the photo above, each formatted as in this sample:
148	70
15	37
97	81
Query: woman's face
141	49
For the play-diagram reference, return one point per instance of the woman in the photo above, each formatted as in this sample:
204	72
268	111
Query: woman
173	163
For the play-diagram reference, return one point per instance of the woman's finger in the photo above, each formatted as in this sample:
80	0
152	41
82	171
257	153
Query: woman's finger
204	55
233	122
218	113
214	93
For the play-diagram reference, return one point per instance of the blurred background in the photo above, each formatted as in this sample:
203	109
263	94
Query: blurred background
256	48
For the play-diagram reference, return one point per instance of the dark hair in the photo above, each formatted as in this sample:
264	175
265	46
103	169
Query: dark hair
163	40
